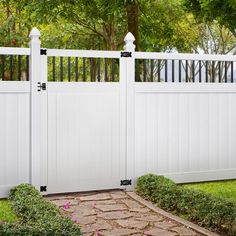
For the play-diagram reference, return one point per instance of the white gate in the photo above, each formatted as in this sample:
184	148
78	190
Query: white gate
86	130
65	135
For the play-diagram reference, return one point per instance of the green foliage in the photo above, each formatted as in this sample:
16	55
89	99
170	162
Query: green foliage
162	27
9	229
15	24
99	24
6	213
208	211
225	189
37	216
208	10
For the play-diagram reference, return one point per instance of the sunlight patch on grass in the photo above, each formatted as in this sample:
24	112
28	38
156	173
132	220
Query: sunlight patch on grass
6	213
225	189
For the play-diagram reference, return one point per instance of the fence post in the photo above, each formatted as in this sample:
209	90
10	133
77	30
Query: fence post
35	110
130	101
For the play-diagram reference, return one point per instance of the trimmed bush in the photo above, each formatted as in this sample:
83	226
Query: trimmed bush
204	209
10	229
37	215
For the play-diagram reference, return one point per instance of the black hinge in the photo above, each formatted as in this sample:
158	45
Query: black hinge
41	86
43	188
43	51
126	182
126	54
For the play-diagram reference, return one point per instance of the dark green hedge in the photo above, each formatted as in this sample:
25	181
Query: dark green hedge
37	215
204	209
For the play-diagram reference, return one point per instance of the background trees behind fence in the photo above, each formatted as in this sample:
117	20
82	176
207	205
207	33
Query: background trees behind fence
164	25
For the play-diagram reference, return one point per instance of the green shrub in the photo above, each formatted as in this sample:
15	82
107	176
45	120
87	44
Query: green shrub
207	210
37	215
10	229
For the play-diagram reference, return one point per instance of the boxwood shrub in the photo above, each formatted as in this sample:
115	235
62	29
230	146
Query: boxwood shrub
209	211
37	216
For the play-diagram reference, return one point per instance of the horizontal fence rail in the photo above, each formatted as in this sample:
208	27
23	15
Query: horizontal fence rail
183	56
14	64
82	53
14	51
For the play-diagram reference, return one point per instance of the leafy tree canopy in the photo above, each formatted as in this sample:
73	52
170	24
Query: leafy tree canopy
224	11
158	25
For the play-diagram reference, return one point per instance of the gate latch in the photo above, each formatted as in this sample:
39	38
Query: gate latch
41	86
126	182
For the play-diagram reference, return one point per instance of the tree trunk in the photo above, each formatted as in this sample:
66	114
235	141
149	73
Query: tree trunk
132	18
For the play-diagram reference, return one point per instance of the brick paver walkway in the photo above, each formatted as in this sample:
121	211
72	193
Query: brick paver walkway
115	213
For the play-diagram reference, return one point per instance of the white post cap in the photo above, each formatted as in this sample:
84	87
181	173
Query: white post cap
34	33
129	42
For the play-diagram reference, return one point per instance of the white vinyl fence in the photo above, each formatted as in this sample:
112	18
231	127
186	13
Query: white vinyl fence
74	120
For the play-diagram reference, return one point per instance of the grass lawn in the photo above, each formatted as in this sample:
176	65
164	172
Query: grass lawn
225	189
6	213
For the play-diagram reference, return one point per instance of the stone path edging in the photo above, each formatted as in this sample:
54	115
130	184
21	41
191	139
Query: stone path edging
169	215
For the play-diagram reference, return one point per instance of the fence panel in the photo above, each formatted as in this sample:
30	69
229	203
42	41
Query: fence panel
185	131
14	135
15	118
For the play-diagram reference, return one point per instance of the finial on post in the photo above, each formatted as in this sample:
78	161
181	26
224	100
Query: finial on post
129	42
34	34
